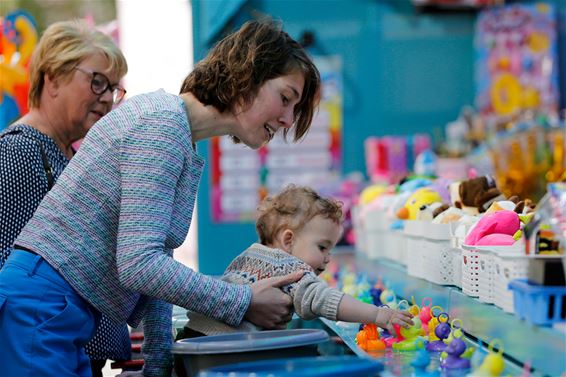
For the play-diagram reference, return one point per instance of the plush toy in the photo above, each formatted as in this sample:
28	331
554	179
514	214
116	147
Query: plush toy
448	215
419	198
498	228
475	195
372	192
427	212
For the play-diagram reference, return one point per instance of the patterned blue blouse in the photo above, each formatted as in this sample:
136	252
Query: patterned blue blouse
23	184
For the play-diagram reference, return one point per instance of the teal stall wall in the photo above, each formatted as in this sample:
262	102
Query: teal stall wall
404	72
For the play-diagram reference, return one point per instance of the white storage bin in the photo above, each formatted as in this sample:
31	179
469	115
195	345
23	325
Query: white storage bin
395	248
387	243
358	226
401	244
470	270
437	254
414	240
496	266
510	262
486	262
456	251
376	227
458	232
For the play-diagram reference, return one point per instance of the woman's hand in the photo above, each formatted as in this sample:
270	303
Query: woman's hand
270	308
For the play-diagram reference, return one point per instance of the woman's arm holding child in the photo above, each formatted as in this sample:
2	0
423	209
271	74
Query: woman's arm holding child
353	310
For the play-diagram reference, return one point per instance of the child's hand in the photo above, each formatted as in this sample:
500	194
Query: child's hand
387	317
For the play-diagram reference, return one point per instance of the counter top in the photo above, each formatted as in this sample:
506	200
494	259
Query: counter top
543	347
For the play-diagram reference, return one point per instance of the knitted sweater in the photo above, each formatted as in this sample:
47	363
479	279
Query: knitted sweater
112	220
312	297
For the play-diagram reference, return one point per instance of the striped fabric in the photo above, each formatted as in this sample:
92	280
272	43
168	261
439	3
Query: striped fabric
121	206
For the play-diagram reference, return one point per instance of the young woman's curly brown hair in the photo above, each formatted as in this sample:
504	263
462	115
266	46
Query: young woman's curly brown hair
238	65
291	209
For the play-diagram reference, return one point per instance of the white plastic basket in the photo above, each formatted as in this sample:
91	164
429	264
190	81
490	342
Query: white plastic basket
470	270
495	266
456	265
507	267
485	275
458	232
396	246
375	225
358	226
437	256
510	263
413	233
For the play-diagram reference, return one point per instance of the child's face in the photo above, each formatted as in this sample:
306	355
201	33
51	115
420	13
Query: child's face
313	243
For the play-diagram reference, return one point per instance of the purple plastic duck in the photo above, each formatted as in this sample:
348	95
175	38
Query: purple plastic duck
442	331
454	350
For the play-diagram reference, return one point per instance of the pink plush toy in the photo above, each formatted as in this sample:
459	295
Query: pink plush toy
496	228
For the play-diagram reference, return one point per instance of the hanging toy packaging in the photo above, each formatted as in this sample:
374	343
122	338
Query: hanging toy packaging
516	57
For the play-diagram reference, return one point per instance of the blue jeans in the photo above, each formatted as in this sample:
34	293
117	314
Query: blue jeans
44	323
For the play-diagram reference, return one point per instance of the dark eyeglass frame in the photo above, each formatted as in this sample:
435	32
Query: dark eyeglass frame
117	91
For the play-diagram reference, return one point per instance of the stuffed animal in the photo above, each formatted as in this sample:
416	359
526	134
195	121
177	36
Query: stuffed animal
427	212
448	215
475	195
419	198
497	228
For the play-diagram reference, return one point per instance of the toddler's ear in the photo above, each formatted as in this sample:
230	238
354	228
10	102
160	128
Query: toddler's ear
286	238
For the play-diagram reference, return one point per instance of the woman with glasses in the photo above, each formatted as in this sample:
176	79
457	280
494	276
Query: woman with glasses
126	200
74	81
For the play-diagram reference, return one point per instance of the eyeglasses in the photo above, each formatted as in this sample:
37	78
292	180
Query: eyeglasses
100	84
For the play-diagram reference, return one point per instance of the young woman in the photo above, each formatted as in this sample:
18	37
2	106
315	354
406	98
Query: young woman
102	239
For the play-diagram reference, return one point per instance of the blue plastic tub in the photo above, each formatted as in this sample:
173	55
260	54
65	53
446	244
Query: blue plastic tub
328	366
538	304
211	351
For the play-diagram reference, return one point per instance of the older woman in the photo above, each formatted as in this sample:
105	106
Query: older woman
103	237
74	75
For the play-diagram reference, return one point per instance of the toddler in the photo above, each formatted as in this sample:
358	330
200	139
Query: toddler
297	230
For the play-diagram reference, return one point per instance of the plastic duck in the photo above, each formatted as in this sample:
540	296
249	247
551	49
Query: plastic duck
456	331
493	363
368	339
410	335
349	285
433	323
451	357
441	332
422	357
363	289
388	298
375	293
392	339
421	361
425	314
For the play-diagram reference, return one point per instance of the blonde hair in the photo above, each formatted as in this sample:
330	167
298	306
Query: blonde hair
62	47
291	209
